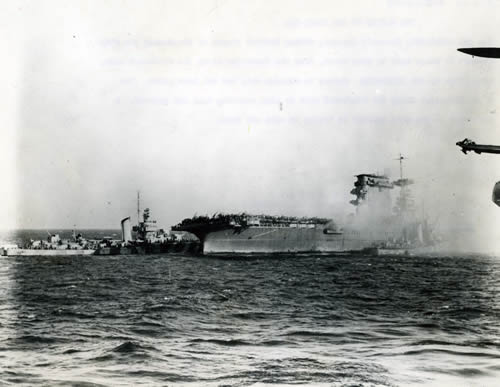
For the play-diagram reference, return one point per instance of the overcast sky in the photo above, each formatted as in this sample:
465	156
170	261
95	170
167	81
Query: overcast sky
267	107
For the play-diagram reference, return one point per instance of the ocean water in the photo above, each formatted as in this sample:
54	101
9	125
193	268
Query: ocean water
261	320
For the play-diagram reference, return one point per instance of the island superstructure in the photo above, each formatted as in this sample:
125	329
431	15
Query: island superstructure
376	224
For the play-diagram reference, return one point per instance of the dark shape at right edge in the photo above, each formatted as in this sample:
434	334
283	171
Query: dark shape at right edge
484	52
496	194
467	145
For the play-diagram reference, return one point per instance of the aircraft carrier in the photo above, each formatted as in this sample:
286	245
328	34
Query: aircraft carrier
378	223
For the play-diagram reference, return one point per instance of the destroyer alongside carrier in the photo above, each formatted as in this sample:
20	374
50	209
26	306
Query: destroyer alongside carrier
378	227
149	239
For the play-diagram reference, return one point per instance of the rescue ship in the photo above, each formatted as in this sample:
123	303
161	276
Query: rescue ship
146	238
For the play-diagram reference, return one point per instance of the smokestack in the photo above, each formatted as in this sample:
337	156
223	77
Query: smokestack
126	230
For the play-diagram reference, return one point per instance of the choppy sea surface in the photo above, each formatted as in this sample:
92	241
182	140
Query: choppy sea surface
261	320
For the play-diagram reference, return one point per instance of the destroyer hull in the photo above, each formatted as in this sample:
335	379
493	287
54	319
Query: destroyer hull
180	248
293	240
45	253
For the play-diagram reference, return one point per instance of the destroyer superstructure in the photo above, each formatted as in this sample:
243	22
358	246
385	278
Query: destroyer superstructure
146	238
52	246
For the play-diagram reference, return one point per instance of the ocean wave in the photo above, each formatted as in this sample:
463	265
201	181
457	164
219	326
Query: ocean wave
308	333
254	316
38	339
424	351
224	342
132	347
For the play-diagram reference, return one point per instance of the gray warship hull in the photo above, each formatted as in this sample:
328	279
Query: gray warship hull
188	247
296	240
16	252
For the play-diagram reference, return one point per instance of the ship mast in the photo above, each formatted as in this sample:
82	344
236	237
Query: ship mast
404	202
138	208
401	158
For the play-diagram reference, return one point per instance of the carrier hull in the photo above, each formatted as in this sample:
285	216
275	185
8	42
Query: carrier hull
296	240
